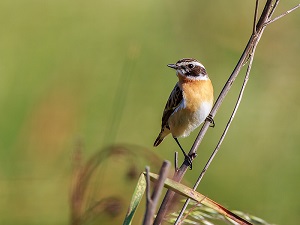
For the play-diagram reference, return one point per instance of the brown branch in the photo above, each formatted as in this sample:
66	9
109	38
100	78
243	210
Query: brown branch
151	203
255	16
282	15
252	43
148	195
268	9
176	161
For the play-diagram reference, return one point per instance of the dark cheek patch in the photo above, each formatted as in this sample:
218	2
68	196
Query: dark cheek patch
195	72
202	70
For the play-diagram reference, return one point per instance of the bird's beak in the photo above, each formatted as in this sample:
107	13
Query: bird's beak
174	66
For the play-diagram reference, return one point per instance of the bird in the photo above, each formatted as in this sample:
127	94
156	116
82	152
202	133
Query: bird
189	103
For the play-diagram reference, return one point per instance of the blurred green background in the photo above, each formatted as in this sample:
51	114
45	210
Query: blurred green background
95	71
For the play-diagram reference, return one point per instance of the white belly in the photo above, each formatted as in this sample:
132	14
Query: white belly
183	121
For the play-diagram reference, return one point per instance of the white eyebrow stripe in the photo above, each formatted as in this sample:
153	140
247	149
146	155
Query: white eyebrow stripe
198	64
195	63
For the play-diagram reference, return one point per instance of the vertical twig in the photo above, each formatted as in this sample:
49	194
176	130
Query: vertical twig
176	161
148	196
265	14
255	16
153	200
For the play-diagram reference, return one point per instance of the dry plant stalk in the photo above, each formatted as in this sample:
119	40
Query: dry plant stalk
151	201
248	54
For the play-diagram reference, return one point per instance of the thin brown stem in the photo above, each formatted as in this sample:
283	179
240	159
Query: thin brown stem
282	15
273	8
148	195
255	16
151	202
176	161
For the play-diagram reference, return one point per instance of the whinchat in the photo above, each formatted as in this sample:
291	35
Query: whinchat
189	103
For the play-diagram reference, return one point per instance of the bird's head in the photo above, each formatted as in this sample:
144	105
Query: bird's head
190	68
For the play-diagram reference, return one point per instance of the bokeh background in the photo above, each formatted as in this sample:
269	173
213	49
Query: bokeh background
94	73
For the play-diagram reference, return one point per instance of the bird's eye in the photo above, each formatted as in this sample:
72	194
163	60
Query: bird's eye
191	66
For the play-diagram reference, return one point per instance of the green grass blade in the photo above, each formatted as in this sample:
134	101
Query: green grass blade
135	200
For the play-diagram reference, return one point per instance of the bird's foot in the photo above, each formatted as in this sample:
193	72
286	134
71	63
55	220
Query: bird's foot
189	159
211	120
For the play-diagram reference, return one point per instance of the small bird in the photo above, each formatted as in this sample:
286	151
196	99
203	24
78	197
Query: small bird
189	103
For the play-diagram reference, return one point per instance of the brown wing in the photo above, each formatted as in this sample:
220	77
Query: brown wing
172	103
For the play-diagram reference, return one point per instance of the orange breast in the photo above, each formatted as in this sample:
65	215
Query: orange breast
196	91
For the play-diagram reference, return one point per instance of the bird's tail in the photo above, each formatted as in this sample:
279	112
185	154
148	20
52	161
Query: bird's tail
163	133
158	140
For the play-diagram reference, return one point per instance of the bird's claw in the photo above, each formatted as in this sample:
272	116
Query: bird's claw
189	159
211	120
